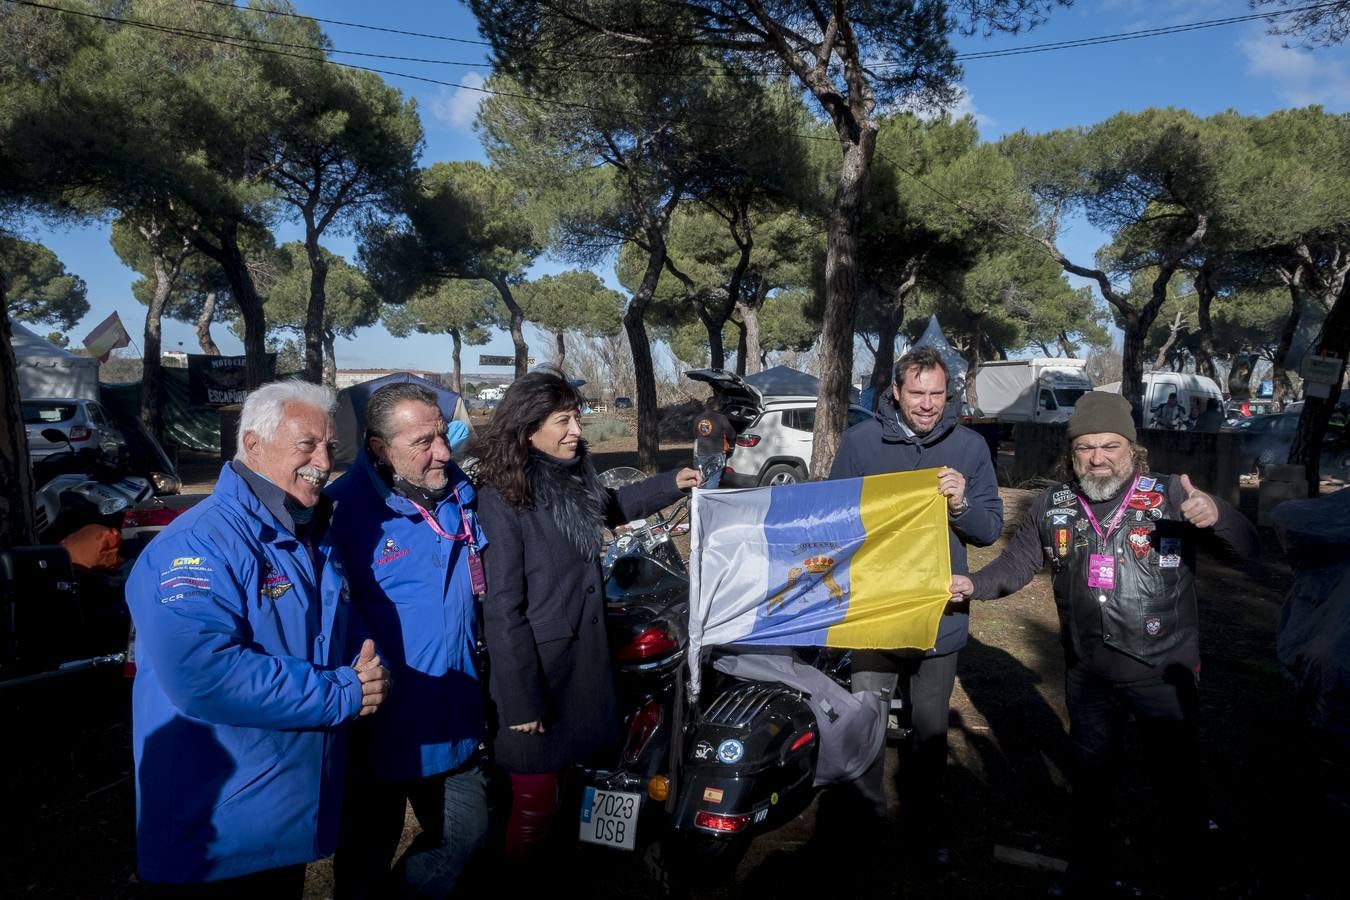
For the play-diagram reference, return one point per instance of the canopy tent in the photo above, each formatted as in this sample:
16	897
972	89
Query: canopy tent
45	370
782	381
351	415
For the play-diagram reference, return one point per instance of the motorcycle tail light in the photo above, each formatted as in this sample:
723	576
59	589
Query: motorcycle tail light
747	440
802	741
719	822
80	433
652	642
658	788
641	729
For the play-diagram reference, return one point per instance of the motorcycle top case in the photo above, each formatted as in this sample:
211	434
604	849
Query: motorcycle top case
39	608
750	758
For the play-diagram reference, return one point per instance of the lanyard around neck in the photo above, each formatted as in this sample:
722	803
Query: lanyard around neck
1119	514
465	535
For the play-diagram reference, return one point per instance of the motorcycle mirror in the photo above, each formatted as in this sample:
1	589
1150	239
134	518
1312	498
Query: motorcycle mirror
54	436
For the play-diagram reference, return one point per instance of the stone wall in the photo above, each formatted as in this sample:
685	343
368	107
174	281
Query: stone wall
1211	459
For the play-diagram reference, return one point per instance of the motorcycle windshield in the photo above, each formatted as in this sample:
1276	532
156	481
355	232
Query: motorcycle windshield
641	577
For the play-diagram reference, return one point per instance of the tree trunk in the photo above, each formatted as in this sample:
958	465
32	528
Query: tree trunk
717	351
152	373
841	297
973	364
456	374
740	346
231	260
883	361
1161	360
17	526
204	326
1312	424
329	358
1204	290
1279	376
560	349
640	346
754	354
1067	346
1132	362
318	300
516	327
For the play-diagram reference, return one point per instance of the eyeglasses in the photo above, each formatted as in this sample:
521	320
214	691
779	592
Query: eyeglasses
1086	449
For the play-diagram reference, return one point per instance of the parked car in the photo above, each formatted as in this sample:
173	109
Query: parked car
623	402
85	423
1266	441
773	433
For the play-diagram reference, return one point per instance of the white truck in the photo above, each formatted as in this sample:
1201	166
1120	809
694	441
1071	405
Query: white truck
1030	390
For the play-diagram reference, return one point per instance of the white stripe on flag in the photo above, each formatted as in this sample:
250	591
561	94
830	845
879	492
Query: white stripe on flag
725	524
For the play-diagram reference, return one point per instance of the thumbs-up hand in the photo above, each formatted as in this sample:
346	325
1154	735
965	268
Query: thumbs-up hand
373	676
1198	508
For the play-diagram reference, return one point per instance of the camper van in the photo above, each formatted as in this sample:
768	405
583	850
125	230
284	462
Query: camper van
1158	385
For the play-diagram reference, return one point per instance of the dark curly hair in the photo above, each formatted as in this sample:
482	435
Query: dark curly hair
504	446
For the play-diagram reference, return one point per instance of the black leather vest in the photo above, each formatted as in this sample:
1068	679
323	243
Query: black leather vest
1152	608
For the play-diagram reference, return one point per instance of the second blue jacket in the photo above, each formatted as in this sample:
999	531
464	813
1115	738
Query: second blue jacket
412	590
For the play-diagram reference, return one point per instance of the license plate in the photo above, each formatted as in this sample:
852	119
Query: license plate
610	818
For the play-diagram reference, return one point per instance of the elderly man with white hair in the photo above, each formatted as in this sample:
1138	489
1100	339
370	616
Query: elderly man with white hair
241	610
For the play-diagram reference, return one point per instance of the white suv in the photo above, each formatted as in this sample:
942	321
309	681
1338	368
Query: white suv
773	431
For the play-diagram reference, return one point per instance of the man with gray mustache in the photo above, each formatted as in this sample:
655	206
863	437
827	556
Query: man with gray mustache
242	615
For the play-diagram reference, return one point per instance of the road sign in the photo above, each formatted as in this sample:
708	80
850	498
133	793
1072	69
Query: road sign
485	359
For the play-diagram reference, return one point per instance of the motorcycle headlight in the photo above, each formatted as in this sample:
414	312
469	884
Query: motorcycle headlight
111	505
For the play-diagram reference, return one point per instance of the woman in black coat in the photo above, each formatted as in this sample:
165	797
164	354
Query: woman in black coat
541	509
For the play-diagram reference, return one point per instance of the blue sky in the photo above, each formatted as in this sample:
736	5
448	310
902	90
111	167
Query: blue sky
1205	71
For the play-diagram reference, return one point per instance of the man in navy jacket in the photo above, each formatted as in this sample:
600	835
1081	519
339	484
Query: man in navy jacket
916	428
406	527
241	612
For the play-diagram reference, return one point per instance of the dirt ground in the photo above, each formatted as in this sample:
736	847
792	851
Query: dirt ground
1279	823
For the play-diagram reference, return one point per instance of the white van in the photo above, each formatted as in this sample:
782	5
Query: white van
1159	385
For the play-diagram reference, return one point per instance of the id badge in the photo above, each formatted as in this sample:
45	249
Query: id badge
477	580
1102	571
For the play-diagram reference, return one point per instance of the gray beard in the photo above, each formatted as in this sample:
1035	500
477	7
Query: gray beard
1104	487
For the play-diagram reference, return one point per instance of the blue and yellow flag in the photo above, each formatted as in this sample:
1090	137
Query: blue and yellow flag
860	562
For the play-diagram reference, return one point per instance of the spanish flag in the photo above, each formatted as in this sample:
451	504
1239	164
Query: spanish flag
107	336
860	562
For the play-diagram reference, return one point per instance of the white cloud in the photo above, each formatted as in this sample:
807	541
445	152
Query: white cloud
456	107
965	106
1300	77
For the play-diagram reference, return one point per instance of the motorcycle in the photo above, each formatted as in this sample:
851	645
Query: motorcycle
62	608
698	780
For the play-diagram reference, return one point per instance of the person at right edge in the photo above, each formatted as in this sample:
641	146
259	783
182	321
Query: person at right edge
917	429
1121	542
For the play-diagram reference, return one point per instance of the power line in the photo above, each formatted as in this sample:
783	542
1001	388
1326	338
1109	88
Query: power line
399	31
1138	35
244	43
1115	37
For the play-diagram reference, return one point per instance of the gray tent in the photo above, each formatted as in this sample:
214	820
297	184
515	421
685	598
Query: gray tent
45	370
351	414
781	381
956	363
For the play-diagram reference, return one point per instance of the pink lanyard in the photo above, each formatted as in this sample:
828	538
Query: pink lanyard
1115	518
465	535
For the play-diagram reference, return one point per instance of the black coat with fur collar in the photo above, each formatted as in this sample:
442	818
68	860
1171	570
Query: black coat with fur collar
544	615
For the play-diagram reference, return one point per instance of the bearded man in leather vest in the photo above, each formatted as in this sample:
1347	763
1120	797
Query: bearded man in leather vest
1121	542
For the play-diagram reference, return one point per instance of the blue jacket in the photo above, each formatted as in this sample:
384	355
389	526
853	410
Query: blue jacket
238	692
412	589
881	445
